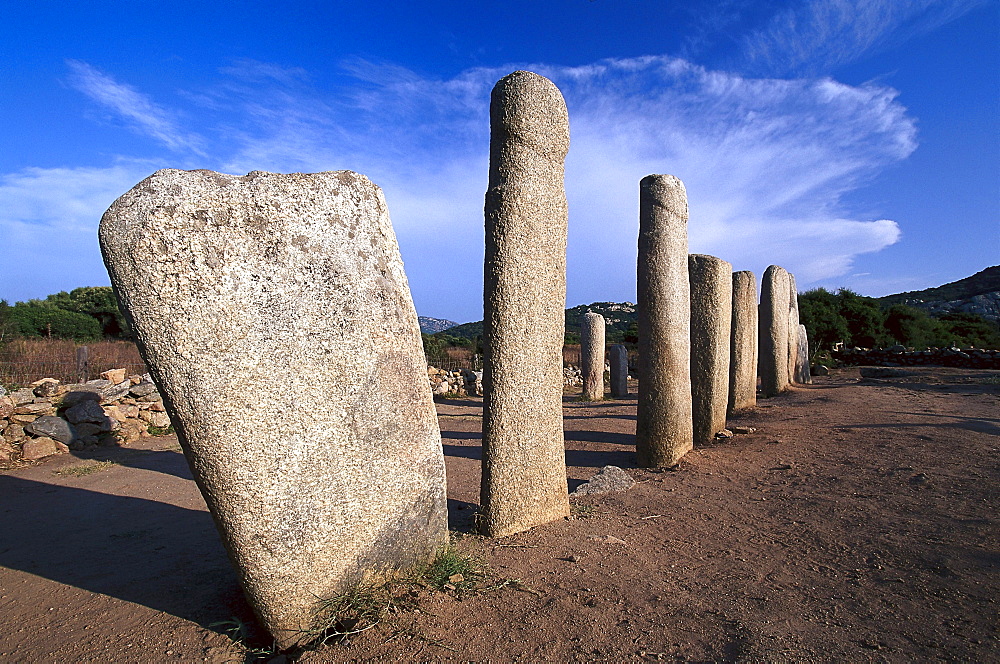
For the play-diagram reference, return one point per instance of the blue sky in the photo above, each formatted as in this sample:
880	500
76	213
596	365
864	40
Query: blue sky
854	142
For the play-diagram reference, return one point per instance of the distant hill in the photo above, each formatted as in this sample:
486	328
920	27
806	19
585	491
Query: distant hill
620	316
431	325
978	294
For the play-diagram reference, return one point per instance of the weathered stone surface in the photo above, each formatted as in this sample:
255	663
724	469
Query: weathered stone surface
115	392
711	329
618	360
609	479
743	339
6	406
39	448
87	411
802	374
793	328
664	430
80	392
772	360
22	396
46	387
116	376
592	331
524	466
38	408
51	427
230	282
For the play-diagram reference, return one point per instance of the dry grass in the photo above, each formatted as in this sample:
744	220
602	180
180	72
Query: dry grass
23	361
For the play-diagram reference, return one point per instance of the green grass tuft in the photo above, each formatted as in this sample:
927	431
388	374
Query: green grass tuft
87	469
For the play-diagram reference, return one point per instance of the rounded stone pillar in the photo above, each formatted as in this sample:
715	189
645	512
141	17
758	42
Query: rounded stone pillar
772	359
524	463
663	425
592	356
618	359
802	373
793	329
743	353
711	327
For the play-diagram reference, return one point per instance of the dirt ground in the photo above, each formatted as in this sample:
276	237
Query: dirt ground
857	523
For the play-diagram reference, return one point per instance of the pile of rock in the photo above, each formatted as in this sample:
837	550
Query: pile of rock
461	382
971	358
48	418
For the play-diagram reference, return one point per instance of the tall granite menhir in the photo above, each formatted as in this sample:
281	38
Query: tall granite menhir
618	361
524	462
711	327
250	291
592	356
793	328
772	360
802	373
663	432
743	354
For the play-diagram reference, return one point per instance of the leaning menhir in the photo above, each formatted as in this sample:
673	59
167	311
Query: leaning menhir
663	432
231	281
618	359
772	361
743	353
524	462
711	326
592	356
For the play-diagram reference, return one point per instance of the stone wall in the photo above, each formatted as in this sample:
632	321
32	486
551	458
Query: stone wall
48	417
460	382
895	356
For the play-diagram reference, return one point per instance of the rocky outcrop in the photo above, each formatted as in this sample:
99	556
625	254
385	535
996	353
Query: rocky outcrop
49	418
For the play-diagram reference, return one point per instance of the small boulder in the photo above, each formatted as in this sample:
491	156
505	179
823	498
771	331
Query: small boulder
52	427
39	448
142	389
116	376
819	370
88	411
80	392
46	387
609	479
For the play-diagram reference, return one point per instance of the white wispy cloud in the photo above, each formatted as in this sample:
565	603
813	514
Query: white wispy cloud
48	221
766	163
135	108
817	35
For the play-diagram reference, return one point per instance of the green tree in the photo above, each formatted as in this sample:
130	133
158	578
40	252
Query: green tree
819	311
100	303
969	330
40	319
865	319
912	327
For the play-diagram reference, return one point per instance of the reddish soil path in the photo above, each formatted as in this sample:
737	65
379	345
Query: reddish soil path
858	523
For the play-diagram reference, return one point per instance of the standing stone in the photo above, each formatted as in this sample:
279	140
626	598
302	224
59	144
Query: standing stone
793	328
592	356
743	356
663	432
524	460
802	373
773	318
711	328
293	282
618	359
